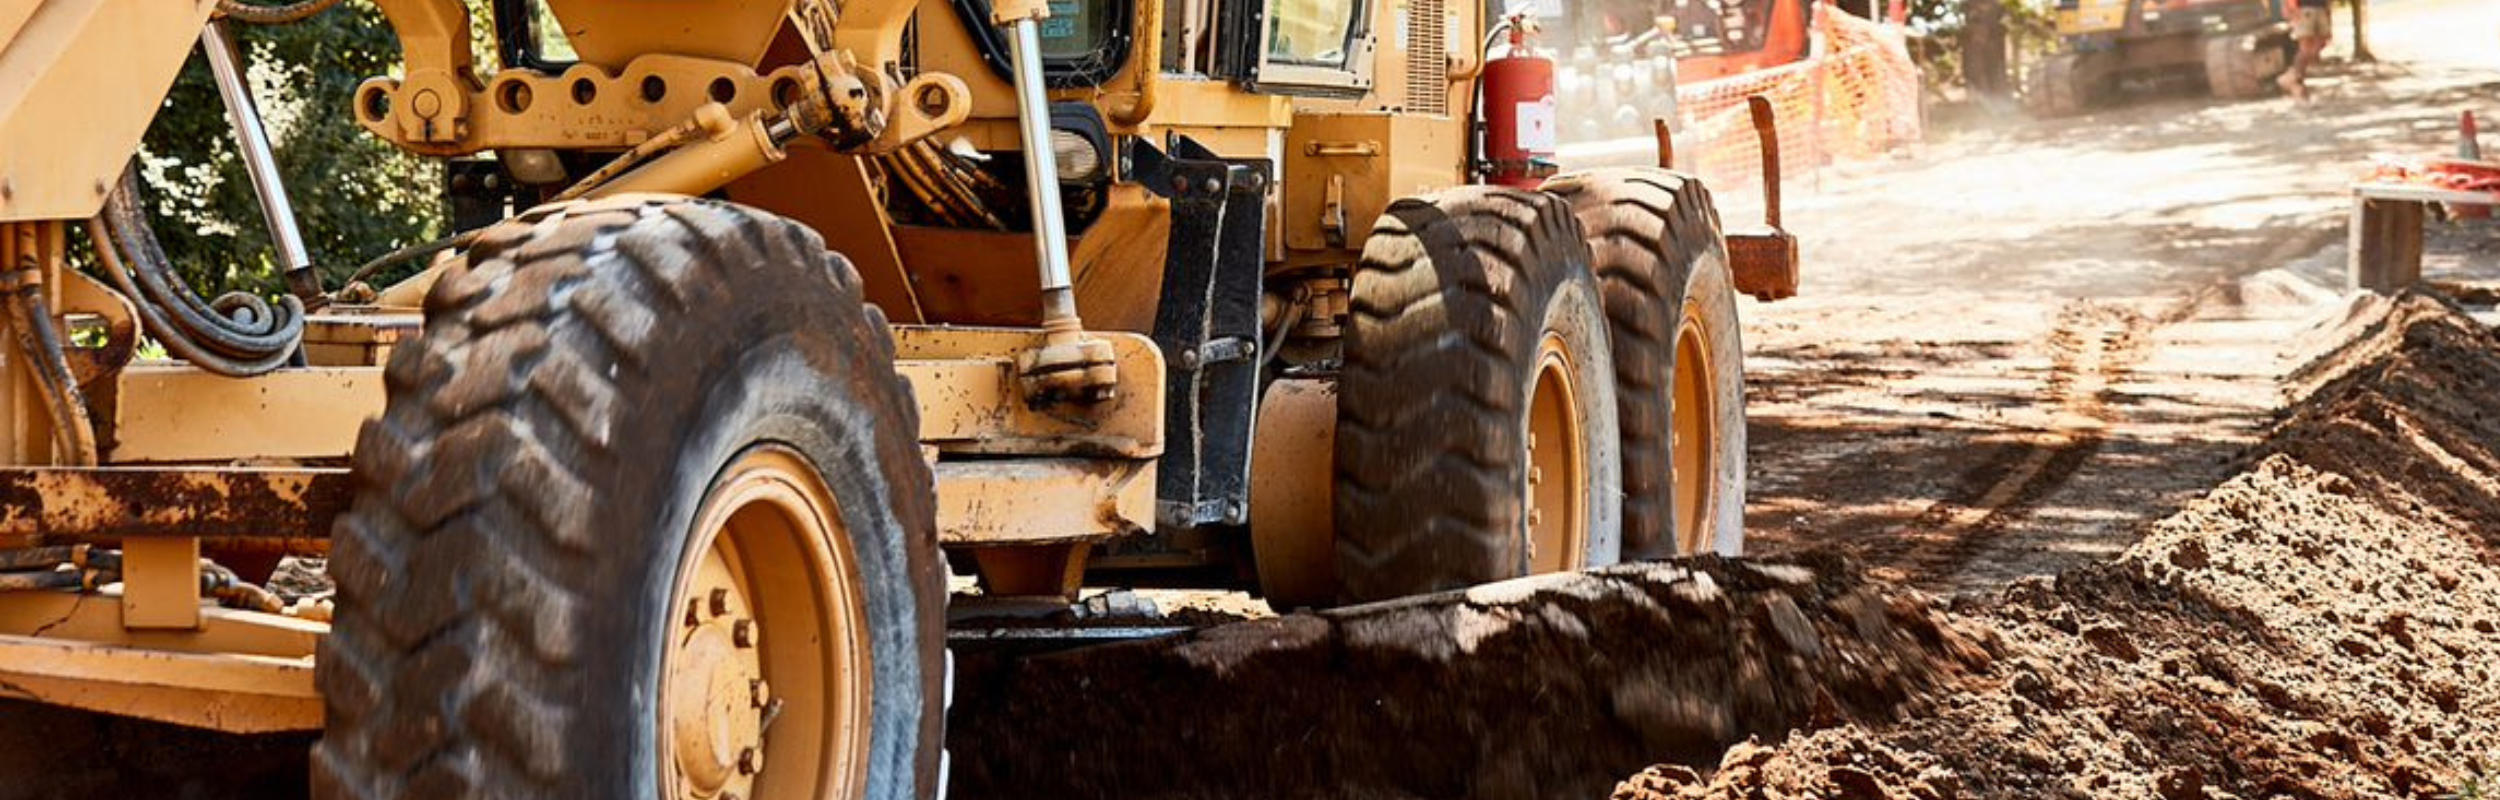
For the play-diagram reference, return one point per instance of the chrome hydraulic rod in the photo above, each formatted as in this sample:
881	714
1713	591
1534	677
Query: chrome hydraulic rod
1041	168
260	160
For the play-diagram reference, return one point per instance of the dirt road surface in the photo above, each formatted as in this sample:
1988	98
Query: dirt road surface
2016	347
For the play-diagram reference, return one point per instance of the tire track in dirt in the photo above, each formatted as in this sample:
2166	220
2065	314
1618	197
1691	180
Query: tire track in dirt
2092	349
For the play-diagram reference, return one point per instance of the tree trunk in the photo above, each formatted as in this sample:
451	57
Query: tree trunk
2360	38
1983	48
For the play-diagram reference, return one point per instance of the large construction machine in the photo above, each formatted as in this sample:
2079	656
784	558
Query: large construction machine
762	317
1621	60
2236	45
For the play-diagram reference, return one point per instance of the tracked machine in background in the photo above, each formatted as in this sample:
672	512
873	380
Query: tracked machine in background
2237	46
762	314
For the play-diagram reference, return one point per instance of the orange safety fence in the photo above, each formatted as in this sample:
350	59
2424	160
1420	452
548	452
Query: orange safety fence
1856	96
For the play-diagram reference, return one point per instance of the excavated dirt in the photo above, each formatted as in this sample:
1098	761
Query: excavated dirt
2322	625
1544	687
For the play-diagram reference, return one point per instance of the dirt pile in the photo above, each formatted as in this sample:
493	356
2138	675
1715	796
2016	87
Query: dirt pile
1546	687
2323	625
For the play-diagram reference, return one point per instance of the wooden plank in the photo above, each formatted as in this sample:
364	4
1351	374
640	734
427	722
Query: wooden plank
2386	244
2423	194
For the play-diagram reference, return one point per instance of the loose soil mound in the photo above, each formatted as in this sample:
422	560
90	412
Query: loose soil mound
1546	687
2323	625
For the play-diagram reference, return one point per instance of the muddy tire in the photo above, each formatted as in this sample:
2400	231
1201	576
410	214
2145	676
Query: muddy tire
597	384
2240	67
1475	320
2060	86
1661	265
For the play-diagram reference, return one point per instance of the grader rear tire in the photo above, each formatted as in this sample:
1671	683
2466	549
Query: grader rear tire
1476	436
1679	370
644	517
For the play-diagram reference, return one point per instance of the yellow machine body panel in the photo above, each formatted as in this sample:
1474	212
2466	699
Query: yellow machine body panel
2092	16
79	81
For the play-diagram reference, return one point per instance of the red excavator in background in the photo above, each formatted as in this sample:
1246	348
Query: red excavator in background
1619	61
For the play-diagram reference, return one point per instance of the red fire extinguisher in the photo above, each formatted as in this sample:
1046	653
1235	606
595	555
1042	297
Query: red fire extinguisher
1518	111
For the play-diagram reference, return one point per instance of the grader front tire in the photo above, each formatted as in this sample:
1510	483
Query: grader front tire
1679	370
643	517
1476	436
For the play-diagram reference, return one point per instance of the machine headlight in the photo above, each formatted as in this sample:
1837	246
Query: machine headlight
1079	160
1080	143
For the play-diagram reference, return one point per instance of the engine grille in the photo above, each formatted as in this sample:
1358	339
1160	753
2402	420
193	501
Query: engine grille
1427	57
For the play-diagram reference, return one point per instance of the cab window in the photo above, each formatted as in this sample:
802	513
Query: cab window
1319	48
1311	33
1076	30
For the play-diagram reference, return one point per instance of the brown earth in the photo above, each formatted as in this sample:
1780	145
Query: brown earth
2322	625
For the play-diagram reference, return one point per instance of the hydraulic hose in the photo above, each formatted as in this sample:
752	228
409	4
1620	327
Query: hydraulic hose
240	11
237	335
30	320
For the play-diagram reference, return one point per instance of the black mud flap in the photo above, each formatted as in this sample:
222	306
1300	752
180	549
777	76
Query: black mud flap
1208	328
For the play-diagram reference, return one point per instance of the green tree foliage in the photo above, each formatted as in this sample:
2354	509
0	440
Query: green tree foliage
355	195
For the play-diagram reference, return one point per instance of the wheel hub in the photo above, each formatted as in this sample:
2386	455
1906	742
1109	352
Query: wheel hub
1557	513
767	596
1693	434
717	697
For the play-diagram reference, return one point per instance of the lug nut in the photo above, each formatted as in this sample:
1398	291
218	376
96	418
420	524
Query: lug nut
720	602
756	693
743	633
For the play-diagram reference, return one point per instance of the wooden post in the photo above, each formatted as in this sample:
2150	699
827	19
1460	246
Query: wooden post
2386	243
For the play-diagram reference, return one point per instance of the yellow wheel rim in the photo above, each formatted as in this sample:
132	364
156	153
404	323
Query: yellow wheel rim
1694	434
764	687
1557	465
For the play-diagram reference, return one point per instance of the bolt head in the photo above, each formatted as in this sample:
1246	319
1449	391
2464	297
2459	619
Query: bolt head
427	103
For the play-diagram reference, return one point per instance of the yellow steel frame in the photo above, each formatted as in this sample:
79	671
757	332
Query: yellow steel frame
1027	487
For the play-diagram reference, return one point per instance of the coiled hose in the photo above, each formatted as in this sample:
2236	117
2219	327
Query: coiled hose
238	335
272	15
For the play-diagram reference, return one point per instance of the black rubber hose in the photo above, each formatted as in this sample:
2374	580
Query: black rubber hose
236	335
42	580
30	319
272	15
154	322
236	324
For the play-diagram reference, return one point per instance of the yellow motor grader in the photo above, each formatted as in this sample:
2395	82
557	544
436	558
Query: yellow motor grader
763	317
